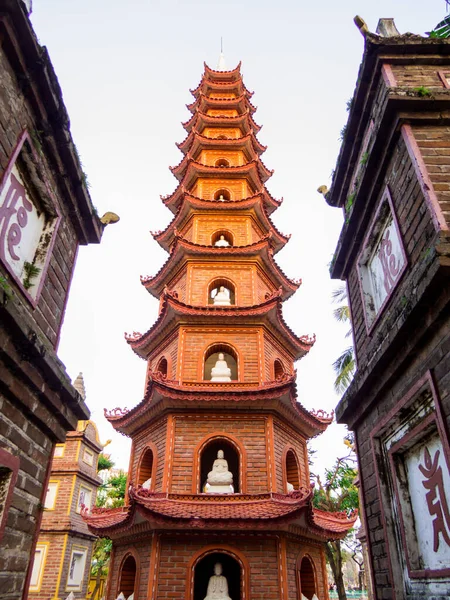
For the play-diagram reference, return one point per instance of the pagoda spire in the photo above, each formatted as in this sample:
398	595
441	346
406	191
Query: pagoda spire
221	65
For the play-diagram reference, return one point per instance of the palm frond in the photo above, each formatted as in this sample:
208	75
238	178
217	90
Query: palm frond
342	313
339	294
442	29
344	367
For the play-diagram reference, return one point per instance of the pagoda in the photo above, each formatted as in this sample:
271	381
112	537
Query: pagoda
219	502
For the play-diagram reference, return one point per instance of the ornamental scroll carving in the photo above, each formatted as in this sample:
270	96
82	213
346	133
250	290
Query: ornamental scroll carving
322	414
115	413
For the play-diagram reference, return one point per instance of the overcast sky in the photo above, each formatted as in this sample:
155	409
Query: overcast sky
125	69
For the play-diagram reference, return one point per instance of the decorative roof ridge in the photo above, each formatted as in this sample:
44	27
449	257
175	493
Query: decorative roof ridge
233	391
198	113
194	133
241	98
263	172
303	493
237	69
321	422
160	234
170	297
263	241
276	203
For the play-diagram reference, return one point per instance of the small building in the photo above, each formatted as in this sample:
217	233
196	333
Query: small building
392	181
63	551
45	215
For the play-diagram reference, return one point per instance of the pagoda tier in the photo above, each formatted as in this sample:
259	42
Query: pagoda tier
185	219
258	259
267	512
173	201
219	473
163	397
248	144
203	122
175	315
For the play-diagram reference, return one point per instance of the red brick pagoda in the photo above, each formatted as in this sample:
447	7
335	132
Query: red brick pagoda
219	502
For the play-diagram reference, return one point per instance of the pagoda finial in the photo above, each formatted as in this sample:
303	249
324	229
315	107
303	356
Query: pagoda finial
221	62
78	384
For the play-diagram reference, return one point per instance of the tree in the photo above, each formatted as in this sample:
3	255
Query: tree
337	493
344	366
104	462
110	494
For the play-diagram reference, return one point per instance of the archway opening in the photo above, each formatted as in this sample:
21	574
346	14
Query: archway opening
307	578
127	578
162	366
222	238
231	571
222	162
146	469
221	292
292	475
212	356
222	194
221	137
278	368
209	455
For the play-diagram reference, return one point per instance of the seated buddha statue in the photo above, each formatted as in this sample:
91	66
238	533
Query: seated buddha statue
217	585
221	371
222	242
222	298
220	480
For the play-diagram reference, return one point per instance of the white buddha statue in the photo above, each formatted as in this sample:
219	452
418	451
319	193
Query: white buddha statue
290	488
217	585
221	371
221	198
222	242
147	484
222	298
220	480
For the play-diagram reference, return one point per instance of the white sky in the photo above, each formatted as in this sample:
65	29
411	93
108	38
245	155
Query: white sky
125	69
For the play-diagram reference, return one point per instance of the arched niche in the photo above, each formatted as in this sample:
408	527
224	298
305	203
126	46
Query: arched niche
221	137
306	577
231	570
128	575
222	162
146	469
291	469
216	284
162	366
222	235
207	454
278	368
212	356
222	194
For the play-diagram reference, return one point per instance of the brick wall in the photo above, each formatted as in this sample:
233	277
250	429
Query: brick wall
192	429
156	435
417	75
434	144
285	436
417	232
16	115
241	274
245	341
205	188
238	226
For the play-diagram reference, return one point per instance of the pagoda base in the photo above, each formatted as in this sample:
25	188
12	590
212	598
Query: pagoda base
163	565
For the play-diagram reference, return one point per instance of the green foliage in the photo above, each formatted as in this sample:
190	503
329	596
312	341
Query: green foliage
364	158
104	462
100	563
31	272
442	29
423	91
112	493
342	133
349	202
345	365
338	492
349	104
5	286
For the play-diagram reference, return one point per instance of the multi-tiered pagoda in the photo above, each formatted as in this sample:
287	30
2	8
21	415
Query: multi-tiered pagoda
219	503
